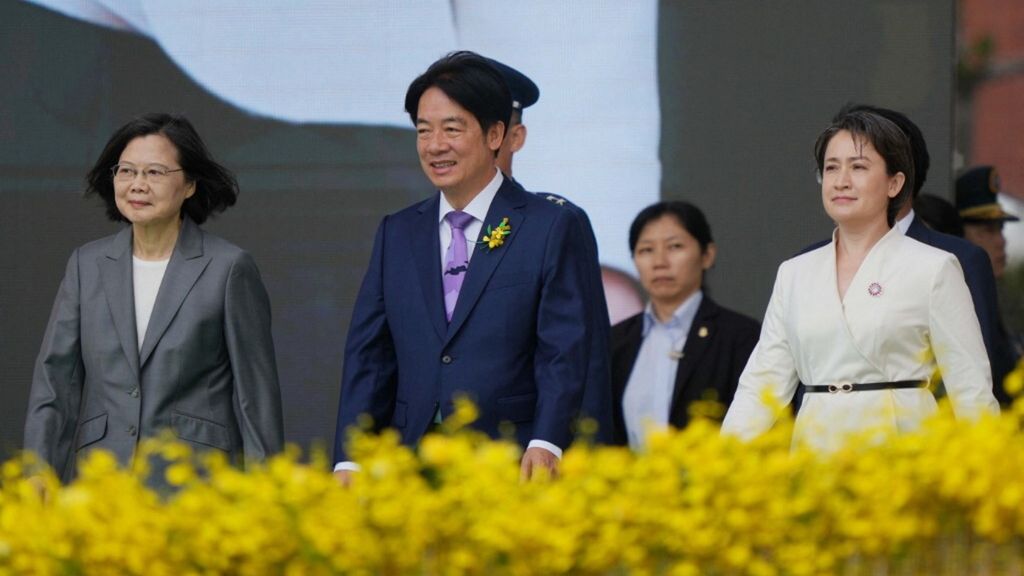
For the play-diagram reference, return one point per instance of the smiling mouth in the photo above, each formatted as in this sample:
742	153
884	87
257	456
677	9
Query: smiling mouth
444	164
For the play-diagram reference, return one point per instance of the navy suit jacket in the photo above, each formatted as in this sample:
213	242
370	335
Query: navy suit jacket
711	364
519	338
982	284
597	390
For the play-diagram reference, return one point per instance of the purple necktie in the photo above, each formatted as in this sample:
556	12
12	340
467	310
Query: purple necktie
456	260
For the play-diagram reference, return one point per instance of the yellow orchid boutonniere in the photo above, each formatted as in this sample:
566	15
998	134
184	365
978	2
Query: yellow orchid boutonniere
496	237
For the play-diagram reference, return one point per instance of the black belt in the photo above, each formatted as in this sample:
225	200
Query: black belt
850	387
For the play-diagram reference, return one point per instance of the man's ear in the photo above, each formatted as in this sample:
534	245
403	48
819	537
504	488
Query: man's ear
495	134
517	137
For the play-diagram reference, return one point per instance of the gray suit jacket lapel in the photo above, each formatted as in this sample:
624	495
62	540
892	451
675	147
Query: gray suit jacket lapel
116	274
186	265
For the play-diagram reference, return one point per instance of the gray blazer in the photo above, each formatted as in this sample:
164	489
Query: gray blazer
206	369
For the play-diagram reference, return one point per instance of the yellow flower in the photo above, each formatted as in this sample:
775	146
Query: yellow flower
496	237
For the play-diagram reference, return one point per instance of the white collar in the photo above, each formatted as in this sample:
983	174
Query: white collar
904	223
478	207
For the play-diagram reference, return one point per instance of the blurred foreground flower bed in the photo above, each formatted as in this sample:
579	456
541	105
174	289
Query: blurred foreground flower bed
946	500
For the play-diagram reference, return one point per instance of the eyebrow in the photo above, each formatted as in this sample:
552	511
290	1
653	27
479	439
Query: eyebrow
653	240
835	159
455	119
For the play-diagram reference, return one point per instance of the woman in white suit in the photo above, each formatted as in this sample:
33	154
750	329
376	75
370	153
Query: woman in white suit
161	326
863	321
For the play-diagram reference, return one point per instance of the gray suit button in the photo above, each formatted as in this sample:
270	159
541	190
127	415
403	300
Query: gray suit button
132	430
134	393
446	359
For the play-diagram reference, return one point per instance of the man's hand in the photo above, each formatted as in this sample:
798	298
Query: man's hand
39	484
536	458
344	477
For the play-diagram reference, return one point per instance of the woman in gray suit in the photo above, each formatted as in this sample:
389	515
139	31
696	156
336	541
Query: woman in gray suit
161	326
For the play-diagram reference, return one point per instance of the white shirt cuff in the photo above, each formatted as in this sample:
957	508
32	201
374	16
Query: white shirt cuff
545	445
353	467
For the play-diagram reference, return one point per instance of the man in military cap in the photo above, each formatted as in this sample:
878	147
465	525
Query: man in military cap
983	220
597	392
981	213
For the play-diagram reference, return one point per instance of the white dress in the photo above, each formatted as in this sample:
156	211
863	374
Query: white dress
906	308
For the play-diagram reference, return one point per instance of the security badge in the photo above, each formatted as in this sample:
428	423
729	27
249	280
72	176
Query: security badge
702	332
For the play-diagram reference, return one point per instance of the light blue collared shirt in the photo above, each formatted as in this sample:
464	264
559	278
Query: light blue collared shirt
648	396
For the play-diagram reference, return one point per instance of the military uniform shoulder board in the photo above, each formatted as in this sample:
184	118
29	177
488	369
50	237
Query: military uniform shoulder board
554	198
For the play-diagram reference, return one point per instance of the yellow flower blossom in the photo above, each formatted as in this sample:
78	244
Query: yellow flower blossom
496	237
944	499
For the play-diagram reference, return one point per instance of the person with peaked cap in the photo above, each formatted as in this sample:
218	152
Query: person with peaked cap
983	219
524	94
472	292
863	322
973	261
597	395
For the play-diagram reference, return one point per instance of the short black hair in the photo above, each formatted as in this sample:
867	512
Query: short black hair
891	143
689	217
918	146
216	186
471	81
939	214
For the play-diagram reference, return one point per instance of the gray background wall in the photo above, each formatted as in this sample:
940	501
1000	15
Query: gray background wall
745	89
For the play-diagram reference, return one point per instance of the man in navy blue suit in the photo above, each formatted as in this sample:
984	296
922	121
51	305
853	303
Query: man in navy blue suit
973	260
597	391
476	291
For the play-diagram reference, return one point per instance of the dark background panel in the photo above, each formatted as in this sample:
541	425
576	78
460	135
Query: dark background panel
745	89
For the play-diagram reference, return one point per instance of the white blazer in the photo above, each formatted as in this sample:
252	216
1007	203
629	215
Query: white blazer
906	308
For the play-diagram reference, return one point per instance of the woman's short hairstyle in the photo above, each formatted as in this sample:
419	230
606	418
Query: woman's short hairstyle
216	186
689	217
888	140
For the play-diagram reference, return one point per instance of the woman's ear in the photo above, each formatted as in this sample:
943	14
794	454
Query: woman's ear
708	258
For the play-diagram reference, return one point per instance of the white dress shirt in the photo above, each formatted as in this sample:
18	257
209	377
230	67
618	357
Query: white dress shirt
477	208
903	224
648	396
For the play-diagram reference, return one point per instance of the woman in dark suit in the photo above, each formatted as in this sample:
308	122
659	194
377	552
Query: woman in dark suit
162	325
683	347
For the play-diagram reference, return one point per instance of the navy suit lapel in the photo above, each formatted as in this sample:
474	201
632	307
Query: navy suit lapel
507	203
701	332
426	249
116	275
186	265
